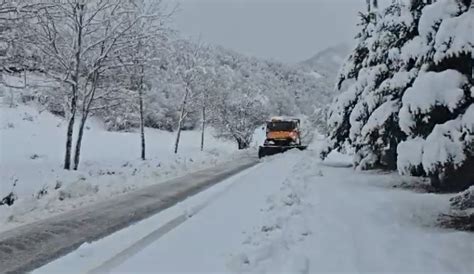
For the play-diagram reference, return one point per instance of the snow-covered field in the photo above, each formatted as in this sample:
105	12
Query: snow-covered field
32	150
290	214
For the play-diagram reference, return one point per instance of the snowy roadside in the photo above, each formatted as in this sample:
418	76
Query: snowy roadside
101	256
229	208
31	164
332	219
293	214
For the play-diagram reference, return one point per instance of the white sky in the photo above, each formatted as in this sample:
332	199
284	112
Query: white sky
285	30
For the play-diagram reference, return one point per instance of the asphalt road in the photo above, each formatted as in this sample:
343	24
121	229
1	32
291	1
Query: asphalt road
31	246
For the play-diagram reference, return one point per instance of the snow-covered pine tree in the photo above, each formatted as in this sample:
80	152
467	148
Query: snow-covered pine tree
365	116
342	106
437	111
374	131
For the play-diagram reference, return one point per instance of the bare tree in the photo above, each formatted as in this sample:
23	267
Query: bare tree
182	115
146	54
57	32
14	58
237	113
135	25
205	87
203	126
80	42
189	65
209	87
142	119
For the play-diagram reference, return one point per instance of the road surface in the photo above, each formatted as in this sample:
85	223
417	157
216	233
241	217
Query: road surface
31	246
290	214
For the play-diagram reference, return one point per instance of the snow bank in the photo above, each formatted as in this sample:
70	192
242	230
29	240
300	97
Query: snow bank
322	214
410	153
326	219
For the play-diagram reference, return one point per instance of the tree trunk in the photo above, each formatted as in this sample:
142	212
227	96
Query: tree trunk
79	12
70	130
203	127
180	122
142	123
77	152
85	113
178	135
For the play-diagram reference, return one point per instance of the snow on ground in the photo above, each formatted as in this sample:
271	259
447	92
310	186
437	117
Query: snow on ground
291	214
32	150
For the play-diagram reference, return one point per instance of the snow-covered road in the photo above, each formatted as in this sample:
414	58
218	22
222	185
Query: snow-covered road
33	245
290	214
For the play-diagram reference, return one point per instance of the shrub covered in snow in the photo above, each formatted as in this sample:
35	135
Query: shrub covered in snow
463	201
9	199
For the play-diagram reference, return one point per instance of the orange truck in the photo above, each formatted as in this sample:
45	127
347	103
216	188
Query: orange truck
282	134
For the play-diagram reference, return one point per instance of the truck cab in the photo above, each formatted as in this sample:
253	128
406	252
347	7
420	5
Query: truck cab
283	132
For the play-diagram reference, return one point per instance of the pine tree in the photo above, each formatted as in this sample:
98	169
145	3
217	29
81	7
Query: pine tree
338	115
365	116
374	131
410	105
437	111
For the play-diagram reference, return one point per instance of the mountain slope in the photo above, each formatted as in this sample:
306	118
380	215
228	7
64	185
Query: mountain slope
328	61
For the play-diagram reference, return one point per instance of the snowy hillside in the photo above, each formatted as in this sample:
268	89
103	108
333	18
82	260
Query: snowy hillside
32	156
328	62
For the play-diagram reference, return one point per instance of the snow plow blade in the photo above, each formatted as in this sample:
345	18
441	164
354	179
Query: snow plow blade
264	151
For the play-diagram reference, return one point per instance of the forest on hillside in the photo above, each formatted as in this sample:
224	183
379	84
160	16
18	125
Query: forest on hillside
121	62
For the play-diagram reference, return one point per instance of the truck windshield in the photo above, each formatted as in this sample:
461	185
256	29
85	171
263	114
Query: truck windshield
281	126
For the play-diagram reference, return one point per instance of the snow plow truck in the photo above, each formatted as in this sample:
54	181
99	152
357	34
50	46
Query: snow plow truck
282	134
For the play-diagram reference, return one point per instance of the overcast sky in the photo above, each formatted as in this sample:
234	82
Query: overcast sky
285	30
